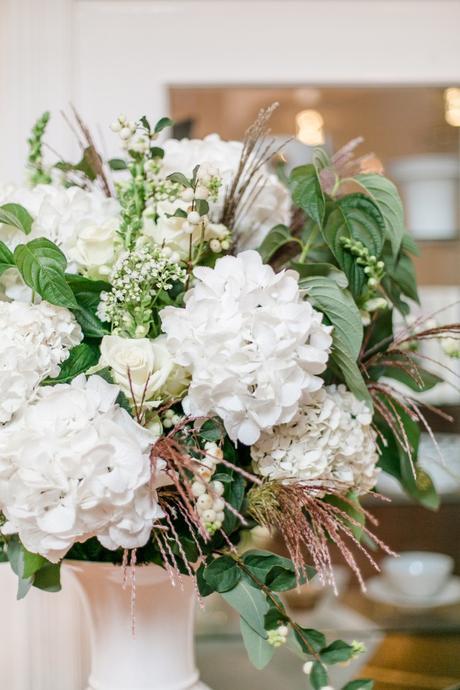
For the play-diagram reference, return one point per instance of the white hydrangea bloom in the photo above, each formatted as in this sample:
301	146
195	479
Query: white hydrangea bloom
329	439
253	345
271	200
74	465
82	223
35	340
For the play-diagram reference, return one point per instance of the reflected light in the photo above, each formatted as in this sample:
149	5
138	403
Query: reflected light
310	127
452	106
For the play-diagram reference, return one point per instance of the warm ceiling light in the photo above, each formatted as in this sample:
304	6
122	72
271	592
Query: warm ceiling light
310	127
452	106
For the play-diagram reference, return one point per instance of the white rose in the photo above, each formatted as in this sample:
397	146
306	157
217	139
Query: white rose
140	366
94	249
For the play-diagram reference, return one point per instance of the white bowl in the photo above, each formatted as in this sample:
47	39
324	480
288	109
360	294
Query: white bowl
418	574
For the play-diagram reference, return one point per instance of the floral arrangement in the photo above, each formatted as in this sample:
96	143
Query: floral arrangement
193	346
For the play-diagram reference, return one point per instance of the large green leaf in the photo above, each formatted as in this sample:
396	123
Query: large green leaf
337	652
357	217
341	310
257	647
307	193
250	603
17	216
318	676
386	196
277	572
6	258
81	358
276	238
360	684
42	264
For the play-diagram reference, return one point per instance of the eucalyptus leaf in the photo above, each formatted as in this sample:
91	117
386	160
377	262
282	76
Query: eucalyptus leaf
17	216
250	603
42	264
386	196
257	647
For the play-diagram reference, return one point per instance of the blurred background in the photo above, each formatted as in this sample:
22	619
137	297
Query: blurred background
386	70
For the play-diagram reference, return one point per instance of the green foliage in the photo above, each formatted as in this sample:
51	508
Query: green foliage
6	258
278	237
276	572
259	651
360	684
354	217
310	640
321	269
342	312
116	164
307	193
38	173
162	124
337	652
318	676
81	358
222	574
385	195
32	569
88	294
250	603
17	216
42	265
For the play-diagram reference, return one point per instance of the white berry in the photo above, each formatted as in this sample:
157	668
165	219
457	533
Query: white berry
217	487
194	217
198	489
204	501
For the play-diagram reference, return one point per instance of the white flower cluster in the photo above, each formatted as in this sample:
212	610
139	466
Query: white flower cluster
74	465
220	159
210	505
330	439
136	279
82	223
35	340
253	345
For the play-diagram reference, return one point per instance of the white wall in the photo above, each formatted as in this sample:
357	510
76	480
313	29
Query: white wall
108	56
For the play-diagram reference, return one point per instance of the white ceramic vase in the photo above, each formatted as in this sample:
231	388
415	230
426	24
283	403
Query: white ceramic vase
161	654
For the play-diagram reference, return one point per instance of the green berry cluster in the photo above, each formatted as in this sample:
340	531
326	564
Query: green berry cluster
38	174
373	268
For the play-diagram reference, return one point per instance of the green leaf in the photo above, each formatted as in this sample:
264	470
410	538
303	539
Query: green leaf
17	216
409	245
385	194
234	494
277	572
202	206
6	258
307	193
402	273
211	430
325	270
350	507
222	574
276	238
203	587
87	293
318	676
360	684
48	578
315	639
162	124
42	264
250	603
81	358
341	310
179	178
257	647
337	652
157	152
354	216
117	164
